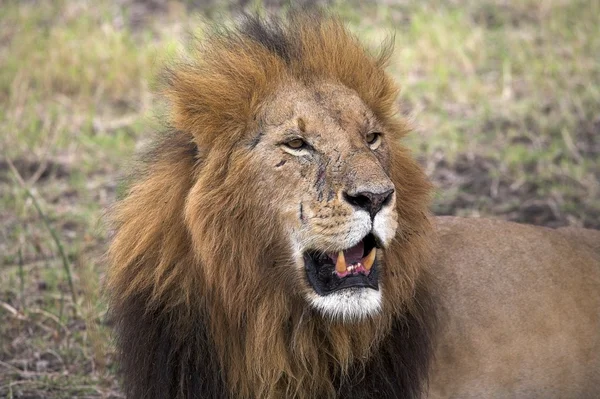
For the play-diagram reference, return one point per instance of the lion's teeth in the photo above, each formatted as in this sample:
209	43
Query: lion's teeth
369	259
340	264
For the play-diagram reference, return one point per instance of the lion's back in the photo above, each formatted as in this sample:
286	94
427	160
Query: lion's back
584	237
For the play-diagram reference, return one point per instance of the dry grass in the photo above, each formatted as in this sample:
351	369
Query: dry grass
505	99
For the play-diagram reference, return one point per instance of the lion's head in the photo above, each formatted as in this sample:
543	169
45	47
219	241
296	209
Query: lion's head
315	173
282	211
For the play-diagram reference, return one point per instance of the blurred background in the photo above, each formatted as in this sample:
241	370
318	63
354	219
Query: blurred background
504	98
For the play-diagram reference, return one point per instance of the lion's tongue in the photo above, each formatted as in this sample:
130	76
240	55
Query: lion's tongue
352	255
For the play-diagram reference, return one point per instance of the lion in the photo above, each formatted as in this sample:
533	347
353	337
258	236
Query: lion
276	242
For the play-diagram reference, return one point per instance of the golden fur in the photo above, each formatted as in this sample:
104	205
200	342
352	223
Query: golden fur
206	290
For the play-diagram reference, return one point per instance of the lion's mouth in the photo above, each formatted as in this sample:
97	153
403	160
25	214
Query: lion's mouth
352	267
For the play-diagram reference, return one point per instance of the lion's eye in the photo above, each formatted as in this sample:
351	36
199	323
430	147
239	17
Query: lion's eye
296	144
373	139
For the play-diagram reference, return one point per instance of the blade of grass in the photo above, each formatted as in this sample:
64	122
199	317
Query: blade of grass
53	233
21	278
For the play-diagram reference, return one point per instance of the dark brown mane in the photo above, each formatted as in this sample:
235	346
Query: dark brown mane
188	323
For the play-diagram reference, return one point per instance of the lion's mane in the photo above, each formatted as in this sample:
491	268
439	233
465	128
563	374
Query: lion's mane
200	271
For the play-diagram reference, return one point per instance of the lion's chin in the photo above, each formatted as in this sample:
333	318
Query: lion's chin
348	305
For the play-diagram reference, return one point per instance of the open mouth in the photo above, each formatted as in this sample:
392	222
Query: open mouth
352	267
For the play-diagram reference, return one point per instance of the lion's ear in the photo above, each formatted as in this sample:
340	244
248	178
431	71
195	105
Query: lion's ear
219	90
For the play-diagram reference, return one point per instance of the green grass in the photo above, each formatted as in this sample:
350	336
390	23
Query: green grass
504	100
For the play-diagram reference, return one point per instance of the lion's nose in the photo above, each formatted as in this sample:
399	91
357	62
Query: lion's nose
369	201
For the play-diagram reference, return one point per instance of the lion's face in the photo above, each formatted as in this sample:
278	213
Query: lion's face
325	159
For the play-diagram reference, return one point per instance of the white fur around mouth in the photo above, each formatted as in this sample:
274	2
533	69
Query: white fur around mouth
351	304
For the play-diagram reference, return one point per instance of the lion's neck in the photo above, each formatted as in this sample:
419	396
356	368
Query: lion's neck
300	354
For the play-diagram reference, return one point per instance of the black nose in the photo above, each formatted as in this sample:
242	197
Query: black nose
369	201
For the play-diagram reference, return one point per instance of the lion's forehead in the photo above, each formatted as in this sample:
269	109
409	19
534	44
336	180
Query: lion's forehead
323	107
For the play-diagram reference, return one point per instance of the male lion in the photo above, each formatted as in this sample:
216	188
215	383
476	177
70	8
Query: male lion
277	244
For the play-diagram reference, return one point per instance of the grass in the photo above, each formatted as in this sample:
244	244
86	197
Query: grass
504	99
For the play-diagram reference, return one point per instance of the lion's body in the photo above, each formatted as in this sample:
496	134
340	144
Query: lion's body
277	243
522	307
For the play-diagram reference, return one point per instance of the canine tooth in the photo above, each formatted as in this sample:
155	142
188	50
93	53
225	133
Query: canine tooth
369	259
340	264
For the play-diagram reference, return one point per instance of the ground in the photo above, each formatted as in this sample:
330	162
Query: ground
504	98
